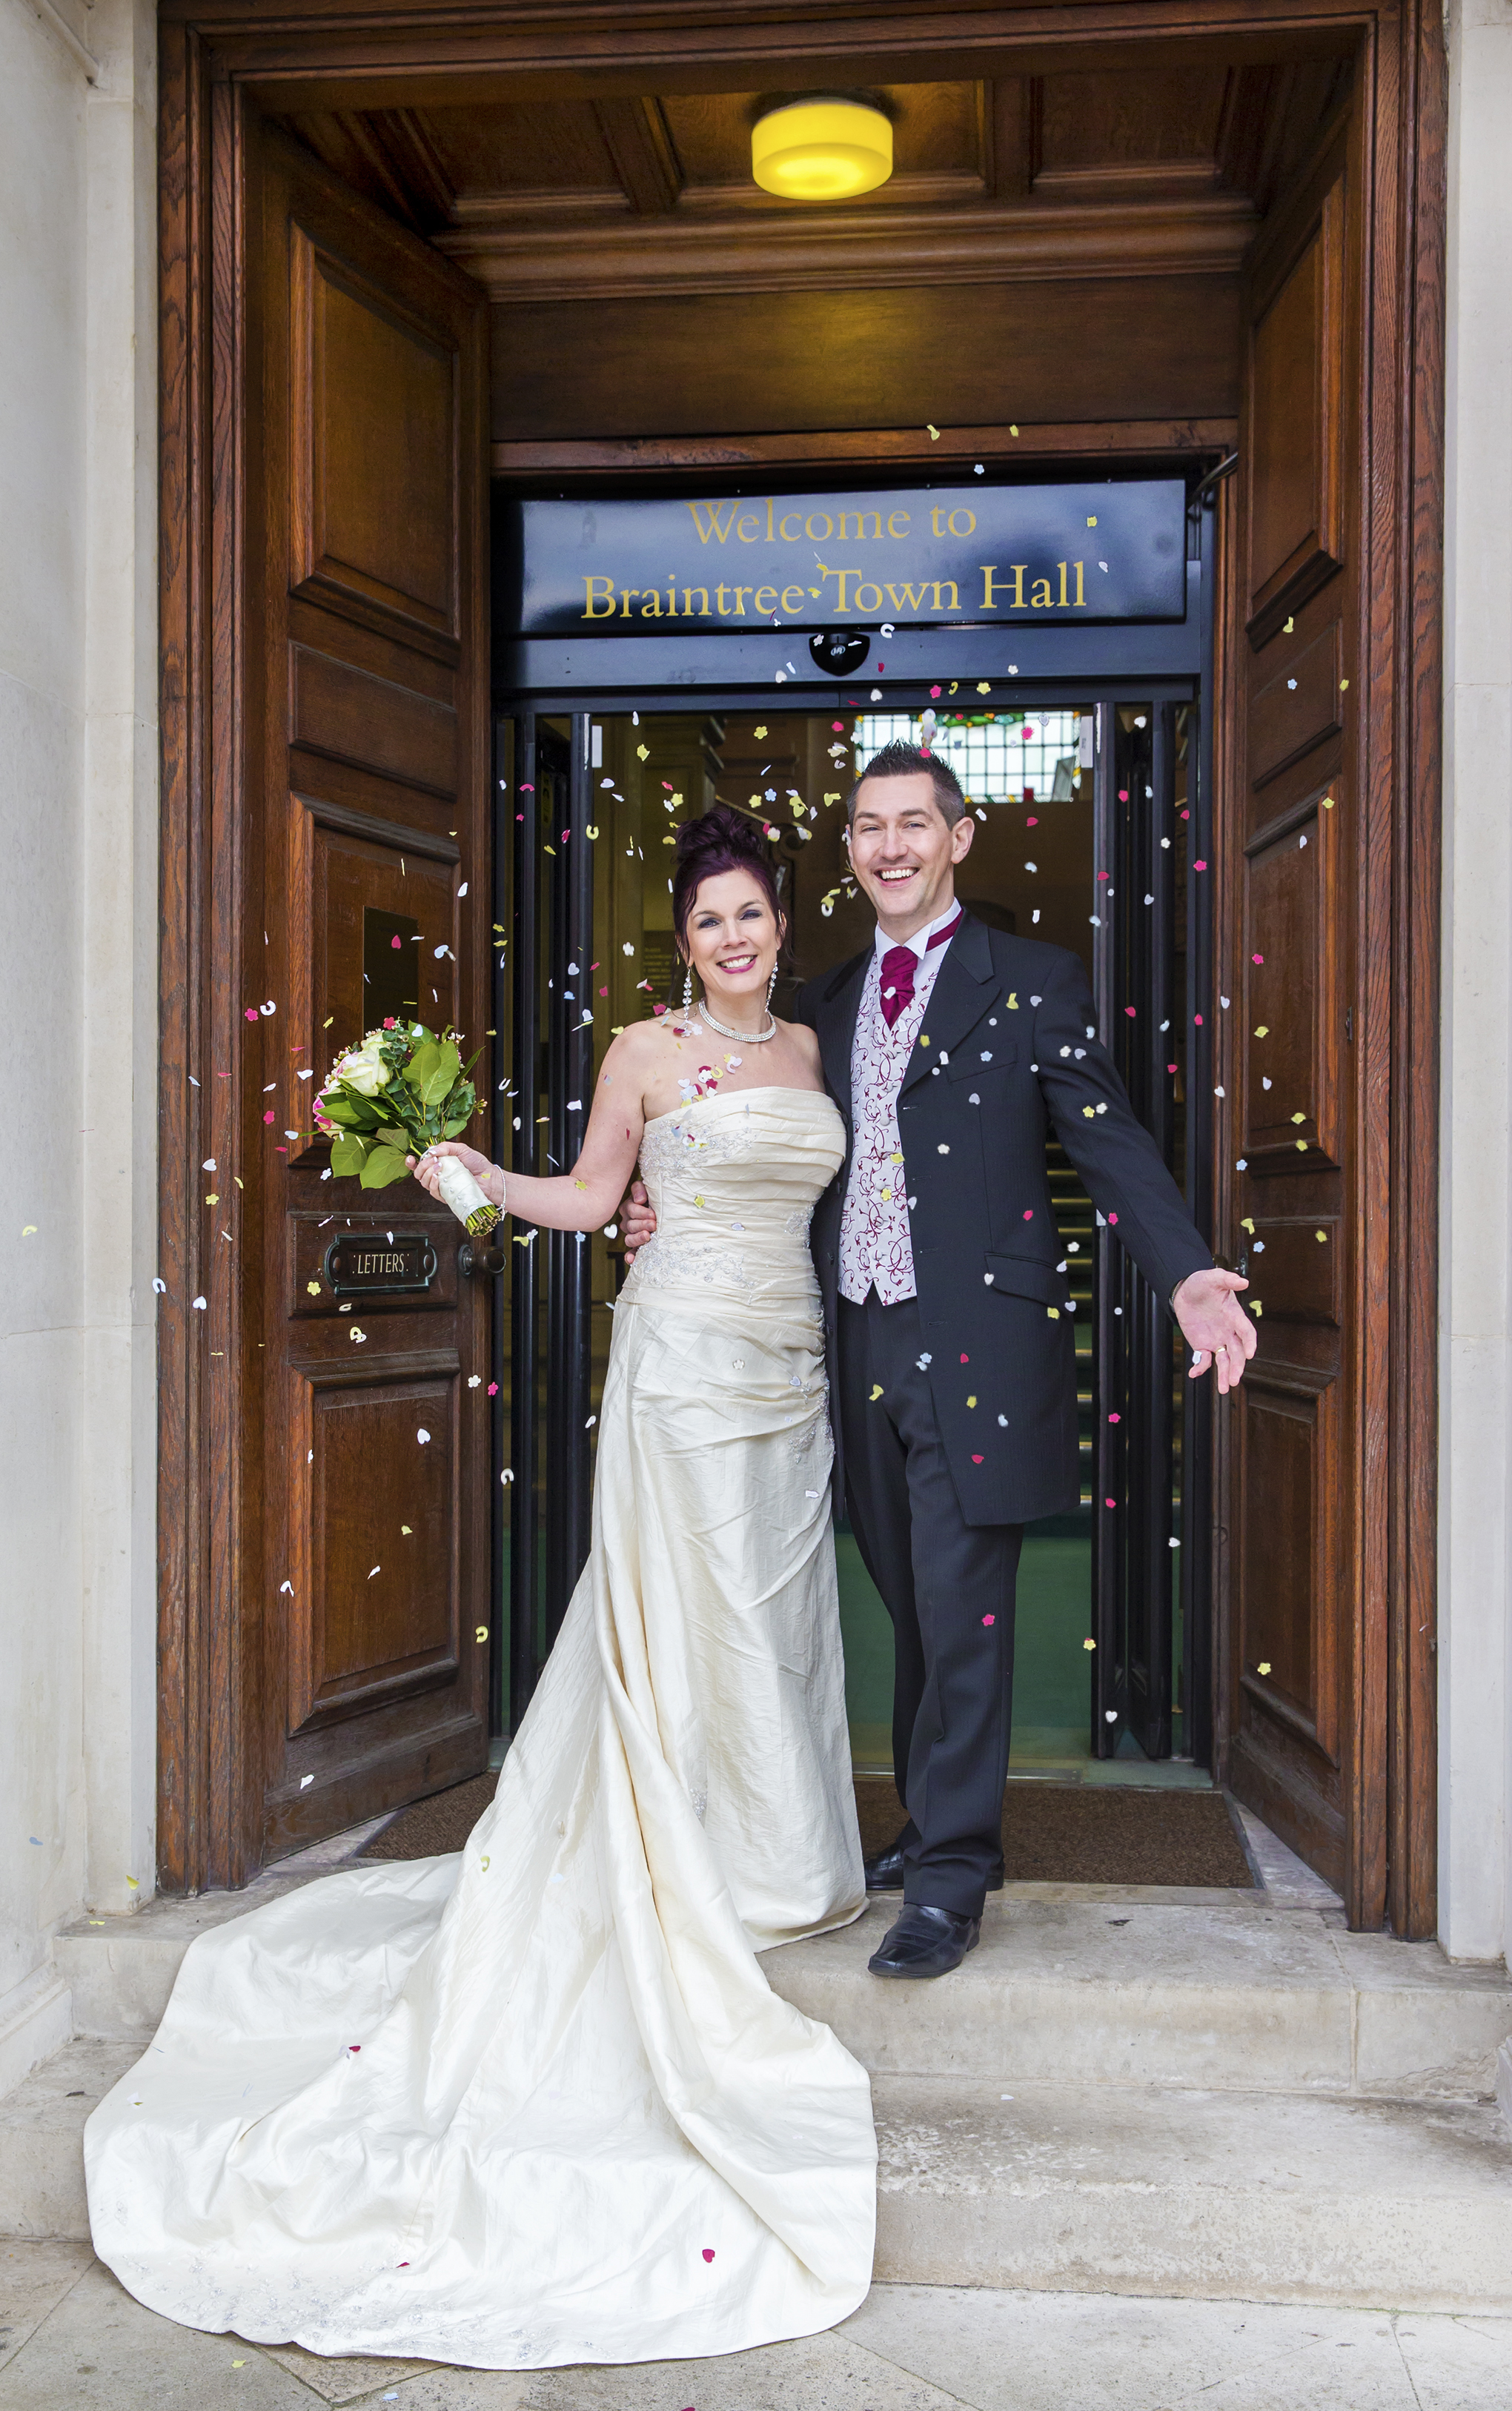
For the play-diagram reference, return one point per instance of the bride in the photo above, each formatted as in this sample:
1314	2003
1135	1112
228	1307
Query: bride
536	2103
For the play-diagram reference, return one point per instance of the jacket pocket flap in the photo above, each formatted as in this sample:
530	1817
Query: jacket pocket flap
966	1059
1027	1276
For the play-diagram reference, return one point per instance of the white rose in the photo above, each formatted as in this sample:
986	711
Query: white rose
364	1073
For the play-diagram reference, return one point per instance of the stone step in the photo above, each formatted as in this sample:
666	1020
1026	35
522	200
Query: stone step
1212	1991
1216	1991
1403	2205
1137	2189
41	2140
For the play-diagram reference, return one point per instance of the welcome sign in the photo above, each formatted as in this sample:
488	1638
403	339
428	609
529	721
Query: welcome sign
985	555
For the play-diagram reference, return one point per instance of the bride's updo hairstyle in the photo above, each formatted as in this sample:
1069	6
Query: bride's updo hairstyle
723	840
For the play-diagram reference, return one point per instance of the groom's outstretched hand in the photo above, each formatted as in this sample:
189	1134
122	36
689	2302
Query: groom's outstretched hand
638	1223
1214	1324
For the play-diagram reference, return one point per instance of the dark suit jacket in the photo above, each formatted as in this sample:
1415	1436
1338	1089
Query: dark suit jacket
1007	1045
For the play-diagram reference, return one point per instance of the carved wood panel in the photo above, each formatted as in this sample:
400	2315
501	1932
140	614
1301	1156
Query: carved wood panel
370	848
1295	372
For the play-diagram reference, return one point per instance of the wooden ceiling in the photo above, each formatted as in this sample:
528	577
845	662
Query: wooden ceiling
643	283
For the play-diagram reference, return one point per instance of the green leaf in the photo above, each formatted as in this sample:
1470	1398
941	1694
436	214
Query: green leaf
347	1157
422	1065
346	1111
396	1138
437	1082
382	1168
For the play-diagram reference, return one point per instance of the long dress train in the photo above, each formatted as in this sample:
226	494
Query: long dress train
534	2103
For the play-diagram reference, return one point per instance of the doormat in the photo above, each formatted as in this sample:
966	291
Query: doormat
1053	1832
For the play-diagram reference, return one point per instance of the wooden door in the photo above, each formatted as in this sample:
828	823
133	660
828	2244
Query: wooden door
1291	967
366	896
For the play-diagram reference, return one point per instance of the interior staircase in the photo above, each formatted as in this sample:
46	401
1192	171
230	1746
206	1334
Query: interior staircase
1198	2094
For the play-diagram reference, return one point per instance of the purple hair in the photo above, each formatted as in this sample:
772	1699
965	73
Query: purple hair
723	840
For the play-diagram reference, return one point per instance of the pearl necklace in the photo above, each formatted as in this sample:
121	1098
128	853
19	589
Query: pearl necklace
747	1037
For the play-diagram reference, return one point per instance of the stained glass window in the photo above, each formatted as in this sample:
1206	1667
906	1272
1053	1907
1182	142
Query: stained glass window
997	756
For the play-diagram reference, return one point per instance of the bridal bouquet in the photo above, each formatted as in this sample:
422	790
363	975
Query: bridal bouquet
396	1094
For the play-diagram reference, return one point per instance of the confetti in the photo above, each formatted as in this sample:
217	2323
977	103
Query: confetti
422	1436
933	434
1089	1645
708	2251
876	1393
987	1619
1264	1666
481	1633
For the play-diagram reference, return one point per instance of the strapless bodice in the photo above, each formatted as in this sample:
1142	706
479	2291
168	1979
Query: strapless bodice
734	1180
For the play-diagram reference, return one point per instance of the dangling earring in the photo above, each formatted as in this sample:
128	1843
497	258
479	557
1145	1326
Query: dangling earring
687	990
771	986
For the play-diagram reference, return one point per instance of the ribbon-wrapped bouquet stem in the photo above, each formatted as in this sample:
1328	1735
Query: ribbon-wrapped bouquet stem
401	1091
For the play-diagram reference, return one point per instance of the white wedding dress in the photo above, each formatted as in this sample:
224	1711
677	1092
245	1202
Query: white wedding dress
536	2103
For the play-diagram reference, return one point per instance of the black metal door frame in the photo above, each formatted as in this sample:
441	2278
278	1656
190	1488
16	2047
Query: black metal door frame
1132	1547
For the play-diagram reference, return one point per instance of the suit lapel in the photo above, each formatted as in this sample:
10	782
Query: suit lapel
836	1020
957	1000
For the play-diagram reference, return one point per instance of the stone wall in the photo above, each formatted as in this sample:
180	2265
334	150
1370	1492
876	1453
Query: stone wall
77	976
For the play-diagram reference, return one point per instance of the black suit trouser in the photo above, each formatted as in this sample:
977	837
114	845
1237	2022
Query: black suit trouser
949	1586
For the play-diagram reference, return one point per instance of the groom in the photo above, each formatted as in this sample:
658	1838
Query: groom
948	1046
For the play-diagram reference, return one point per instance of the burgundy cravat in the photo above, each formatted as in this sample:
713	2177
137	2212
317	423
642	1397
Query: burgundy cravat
899	966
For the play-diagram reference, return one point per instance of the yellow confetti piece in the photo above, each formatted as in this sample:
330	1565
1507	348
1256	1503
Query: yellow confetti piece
1013	431
593	830
896	1157
1093	521
213	1198
876	1393
1327	803
132	1881
1088	1112
1264	1666
886	1197
1299	1117
923	1039
759	731
312	1288
970	1402
1322	1235
1290	626
1301	1146
1262	1029
1089	1644
240	1182
238	2364
28	1231
1013	1002
404	1527
697	1201
484	1864
1054	1314
1247	1223
482	1633
1343	686
982	687
932	433
643	753
329	1019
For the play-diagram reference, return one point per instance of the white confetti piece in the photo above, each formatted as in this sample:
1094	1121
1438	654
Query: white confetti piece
199	1305
160	1286
305	1781
422	1436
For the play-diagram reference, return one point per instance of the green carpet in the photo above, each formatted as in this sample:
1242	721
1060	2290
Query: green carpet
1051	1685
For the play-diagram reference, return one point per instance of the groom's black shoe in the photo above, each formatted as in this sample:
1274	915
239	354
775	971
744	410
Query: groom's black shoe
926	1942
884	1873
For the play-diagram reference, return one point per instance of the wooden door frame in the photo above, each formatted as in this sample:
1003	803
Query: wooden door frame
214	56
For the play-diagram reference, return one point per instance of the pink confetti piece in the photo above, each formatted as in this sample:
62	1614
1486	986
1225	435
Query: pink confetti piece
708	2251
1112	1221
1129	1009
1199	866
965	1360
269	1117
1110	1502
251	1016
1257	958
987	1620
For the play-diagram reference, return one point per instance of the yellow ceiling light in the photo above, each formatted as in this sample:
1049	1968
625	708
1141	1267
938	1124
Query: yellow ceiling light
821	150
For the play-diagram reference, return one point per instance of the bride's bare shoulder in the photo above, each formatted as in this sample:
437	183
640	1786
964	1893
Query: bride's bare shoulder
805	1043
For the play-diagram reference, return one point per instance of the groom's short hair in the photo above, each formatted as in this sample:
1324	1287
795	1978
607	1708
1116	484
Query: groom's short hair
901	761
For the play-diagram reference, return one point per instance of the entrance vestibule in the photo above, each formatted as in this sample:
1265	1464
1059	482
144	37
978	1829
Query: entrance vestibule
1059	789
